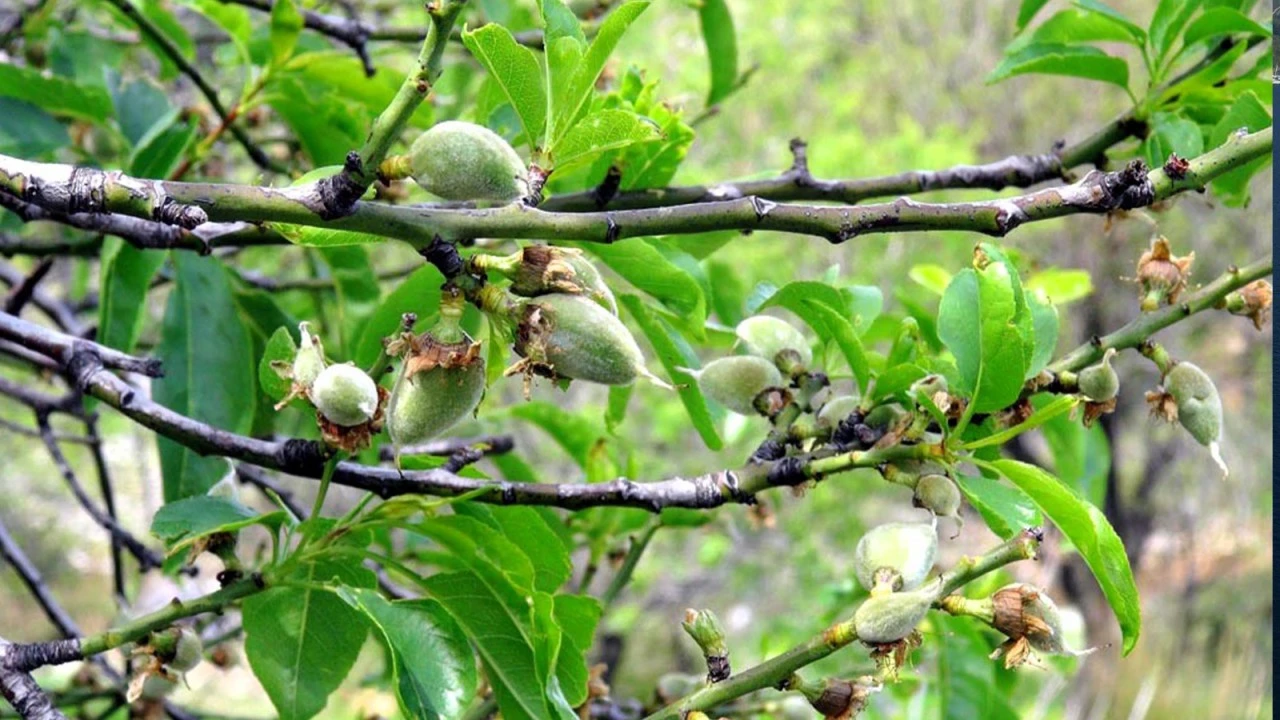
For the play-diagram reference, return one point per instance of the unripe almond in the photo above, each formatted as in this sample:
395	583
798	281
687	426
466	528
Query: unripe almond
188	652
1199	406
735	381
1099	382
939	495
546	269
765	336
902	553
431	401
891	617
836	409
464	161
572	337
308	363
344	395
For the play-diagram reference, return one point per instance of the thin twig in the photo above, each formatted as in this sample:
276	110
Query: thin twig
21	294
31	577
108	493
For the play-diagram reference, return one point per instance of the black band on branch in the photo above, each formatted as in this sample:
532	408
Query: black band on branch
339	193
608	187
718	668
768	451
445	256
302	456
184	216
789	471
1129	188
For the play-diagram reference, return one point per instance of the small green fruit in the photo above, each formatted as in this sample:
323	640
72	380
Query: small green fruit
1199	407
344	395
1099	382
463	161
939	495
309	362
569	336
735	381
765	336
891	617
885	417
546	269
837	409
188	652
901	554
428	402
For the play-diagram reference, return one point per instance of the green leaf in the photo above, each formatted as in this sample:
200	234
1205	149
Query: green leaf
616	409
286	25
1251	114
1027	12
931	277
674	354
327	129
559	22
209	366
56	95
125	274
1171	134
280	348
158	152
977	323
140	106
1088	529
836	327
1221	21
562	57
516	71
1006	510
168	26
502	635
1044	320
1167	22
896	380
642	264
599	133
27	130
577	617
357	293
592	64
1081	456
432	662
1074	26
301	642
418	293
1061	286
179	524
965	677
533	534
1137	35
572	432
720	37
1058	59
233	19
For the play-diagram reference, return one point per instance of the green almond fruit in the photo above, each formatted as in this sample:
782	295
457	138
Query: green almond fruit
905	550
464	161
570	336
1100	382
736	381
837	409
765	336
432	401
345	395
1199	407
891	617
546	269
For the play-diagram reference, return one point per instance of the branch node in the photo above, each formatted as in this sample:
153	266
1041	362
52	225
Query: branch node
444	255
788	471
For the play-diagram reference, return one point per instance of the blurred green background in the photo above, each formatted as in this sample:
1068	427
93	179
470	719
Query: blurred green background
875	87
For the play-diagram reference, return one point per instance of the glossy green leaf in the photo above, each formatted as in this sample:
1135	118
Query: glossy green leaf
418	293
280	348
202	338
593	61
1088	529
286	25
645	266
837	328
534	535
27	130
1080	61
1005	509
301	642
1081	456
616	409
1171	134
1137	35
1167	22
179	524
720	38
674	354
1249	113
1221	21
125	274
233	19
357	293
931	277
895	380
502	635
140	106
1074	26
1061	286
517	73
1044	321
599	133
158	152
434	668
577	617
976	321
1059	406
1027	11
965	679
53	94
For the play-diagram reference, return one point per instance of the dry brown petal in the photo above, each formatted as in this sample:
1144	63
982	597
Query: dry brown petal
1095	410
358	437
1162	405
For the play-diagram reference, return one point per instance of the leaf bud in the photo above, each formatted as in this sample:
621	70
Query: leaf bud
705	629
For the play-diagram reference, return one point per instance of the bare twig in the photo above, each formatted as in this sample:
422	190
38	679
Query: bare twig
21	294
108	502
58	311
31	577
61	347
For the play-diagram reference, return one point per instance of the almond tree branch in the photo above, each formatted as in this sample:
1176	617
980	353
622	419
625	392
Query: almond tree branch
777	671
60	186
175	55
349	31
